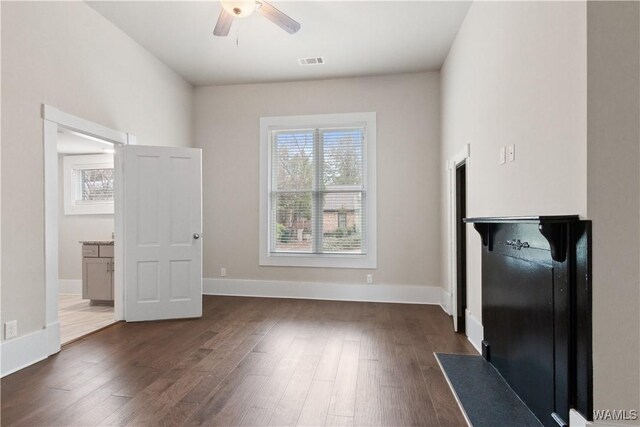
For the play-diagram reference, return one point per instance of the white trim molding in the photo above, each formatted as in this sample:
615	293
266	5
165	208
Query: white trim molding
475	330
445	301
84	127
406	294
577	420
25	350
28	351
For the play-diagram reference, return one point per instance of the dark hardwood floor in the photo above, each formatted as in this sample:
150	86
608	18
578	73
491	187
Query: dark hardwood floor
250	362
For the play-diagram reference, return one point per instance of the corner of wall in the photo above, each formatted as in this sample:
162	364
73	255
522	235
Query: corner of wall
25	350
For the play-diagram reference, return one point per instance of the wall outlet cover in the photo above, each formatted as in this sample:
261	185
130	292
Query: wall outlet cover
369	278
503	155
223	272
11	329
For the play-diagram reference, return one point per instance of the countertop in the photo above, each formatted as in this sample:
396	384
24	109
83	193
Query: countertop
96	242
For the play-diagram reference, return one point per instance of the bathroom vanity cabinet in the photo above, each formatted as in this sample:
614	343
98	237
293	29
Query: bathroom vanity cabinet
97	271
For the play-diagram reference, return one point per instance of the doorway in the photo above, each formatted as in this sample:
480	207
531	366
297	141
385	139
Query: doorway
86	231
56	123
457	167
163	194
461	245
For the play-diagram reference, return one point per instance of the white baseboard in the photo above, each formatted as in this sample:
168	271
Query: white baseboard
407	294
445	301
25	350
577	420
475	331
70	286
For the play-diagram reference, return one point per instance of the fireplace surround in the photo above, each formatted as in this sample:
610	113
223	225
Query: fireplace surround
536	310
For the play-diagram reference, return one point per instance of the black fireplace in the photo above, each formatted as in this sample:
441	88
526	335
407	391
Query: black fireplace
536	310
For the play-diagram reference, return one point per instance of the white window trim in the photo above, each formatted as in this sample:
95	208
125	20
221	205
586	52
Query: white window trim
93	161
267	258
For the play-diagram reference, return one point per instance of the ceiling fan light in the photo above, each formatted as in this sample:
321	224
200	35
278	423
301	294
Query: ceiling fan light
239	8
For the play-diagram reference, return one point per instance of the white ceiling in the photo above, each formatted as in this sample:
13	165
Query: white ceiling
355	38
75	143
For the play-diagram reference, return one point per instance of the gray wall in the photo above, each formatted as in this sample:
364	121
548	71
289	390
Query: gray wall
613	196
408	153
516	74
82	64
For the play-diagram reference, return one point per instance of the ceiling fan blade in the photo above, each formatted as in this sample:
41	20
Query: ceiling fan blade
223	25
280	19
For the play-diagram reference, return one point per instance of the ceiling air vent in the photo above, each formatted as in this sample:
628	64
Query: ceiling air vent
311	61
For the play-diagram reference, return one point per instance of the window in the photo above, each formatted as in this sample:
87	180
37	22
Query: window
318	191
342	220
94	185
88	184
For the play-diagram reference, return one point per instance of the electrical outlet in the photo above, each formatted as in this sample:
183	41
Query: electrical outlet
223	272
503	155
511	152
11	329
369	278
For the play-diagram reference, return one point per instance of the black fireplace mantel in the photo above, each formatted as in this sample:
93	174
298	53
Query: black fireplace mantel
536	310
553	228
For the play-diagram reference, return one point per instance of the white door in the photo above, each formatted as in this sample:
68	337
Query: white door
162	199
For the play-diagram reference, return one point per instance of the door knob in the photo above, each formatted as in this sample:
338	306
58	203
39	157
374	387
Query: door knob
196	236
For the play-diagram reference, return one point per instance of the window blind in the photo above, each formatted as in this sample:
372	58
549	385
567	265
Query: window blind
318	190
93	185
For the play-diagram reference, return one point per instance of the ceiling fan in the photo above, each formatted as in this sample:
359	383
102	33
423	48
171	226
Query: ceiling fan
243	8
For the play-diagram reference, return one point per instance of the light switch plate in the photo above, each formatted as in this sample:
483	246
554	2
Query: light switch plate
503	155
511	152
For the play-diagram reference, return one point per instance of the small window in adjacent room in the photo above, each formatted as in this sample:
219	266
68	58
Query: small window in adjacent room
342	220
88	184
318	191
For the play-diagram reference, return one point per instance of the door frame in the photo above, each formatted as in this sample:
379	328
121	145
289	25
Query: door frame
53	119
452	164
